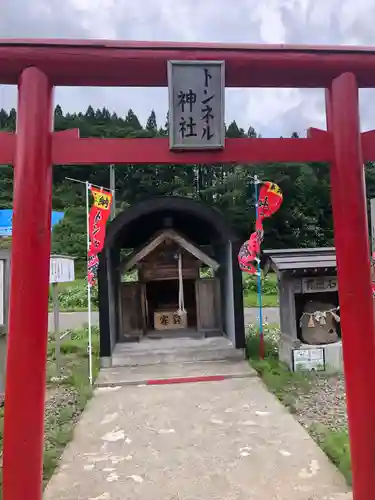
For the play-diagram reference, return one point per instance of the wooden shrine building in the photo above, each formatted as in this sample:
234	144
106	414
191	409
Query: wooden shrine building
169	267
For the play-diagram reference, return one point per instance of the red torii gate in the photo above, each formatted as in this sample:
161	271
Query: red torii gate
37	66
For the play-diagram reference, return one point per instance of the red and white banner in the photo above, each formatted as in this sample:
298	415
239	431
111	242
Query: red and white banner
269	201
98	217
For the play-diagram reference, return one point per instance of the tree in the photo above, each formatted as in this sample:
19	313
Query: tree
132	122
234	131
58	111
151	124
305	217
251	132
90	113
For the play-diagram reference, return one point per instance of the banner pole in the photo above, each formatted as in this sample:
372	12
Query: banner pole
259	279
88	284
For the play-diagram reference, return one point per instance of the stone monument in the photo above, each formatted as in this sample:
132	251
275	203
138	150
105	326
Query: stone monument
309	308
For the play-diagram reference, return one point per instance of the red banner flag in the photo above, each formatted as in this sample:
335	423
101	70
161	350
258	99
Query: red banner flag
269	201
249	253
98	218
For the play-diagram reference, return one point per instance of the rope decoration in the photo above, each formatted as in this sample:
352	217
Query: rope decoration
181	302
320	317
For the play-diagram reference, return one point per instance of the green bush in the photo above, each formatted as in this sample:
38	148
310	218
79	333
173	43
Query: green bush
269	284
276	375
336	445
75	297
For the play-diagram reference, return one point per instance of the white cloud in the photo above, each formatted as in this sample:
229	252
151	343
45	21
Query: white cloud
272	112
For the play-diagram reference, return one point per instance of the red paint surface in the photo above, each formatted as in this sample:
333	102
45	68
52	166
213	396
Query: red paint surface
28	313
7	147
69	149
187	380
87	151
356	303
114	63
261	346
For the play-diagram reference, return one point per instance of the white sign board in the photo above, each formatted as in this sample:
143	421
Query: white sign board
309	359
196	104
61	269
2	292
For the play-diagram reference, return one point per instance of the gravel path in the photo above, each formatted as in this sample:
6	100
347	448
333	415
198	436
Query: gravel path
324	404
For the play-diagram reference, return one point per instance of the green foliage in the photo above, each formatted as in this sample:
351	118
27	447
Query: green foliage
278	378
268	283
270	290
336	445
304	220
66	398
73	296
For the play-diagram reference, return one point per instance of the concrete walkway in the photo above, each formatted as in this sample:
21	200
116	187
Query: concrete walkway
72	320
227	440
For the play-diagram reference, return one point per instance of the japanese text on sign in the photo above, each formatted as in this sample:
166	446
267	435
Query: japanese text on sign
196	109
322	284
98	217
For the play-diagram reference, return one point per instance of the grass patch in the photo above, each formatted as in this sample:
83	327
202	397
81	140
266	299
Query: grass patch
66	397
250	299
288	386
335	444
270	290
73	296
276	375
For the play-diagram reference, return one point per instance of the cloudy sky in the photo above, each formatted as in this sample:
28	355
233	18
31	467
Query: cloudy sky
272	112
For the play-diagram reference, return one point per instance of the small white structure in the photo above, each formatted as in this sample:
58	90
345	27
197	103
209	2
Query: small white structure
61	270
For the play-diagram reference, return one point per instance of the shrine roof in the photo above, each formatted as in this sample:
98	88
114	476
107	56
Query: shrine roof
298	259
165	235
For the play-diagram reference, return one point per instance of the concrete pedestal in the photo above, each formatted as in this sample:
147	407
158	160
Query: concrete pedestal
332	353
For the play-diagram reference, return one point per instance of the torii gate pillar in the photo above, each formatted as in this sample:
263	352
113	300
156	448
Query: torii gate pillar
28	314
353	267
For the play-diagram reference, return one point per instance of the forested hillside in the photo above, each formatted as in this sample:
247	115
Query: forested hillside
305	218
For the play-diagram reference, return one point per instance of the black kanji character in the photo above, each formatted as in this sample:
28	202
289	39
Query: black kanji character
187	128
186	98
176	319
164	320
264	204
103	202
